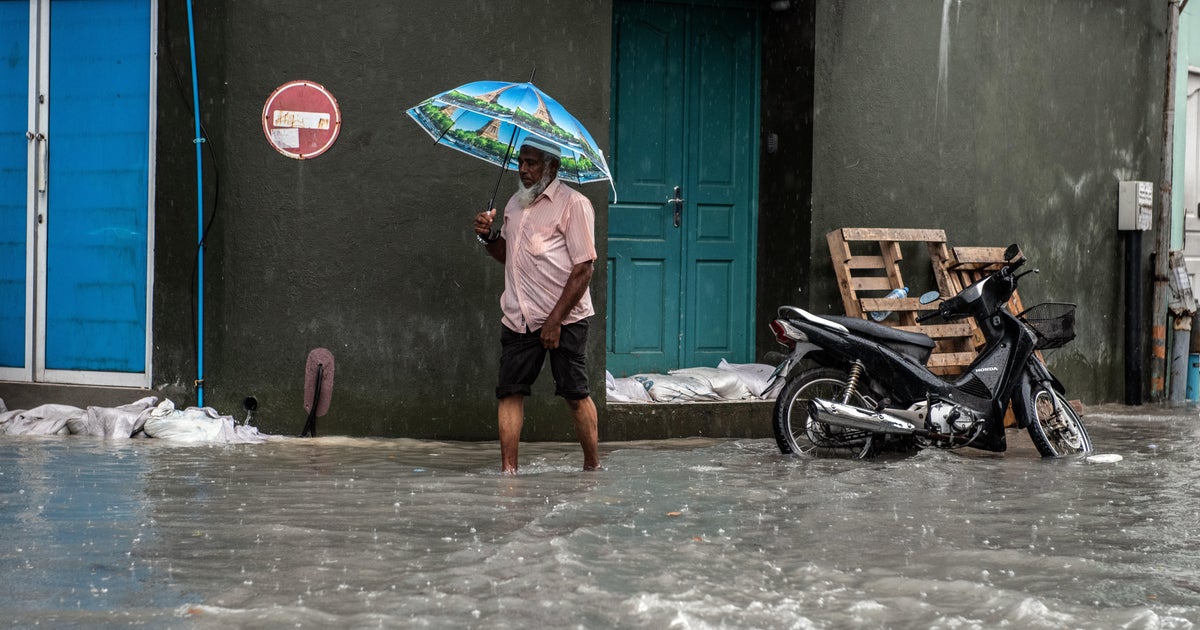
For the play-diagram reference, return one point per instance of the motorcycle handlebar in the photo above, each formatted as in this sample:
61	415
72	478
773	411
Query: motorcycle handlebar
1012	266
956	306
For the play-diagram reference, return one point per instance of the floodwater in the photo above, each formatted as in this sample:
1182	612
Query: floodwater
337	532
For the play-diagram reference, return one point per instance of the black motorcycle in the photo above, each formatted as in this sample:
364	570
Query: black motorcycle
852	387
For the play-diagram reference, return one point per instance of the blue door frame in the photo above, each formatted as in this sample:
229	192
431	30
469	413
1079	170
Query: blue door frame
75	199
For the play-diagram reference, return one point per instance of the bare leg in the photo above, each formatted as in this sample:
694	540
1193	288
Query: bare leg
583	411
511	415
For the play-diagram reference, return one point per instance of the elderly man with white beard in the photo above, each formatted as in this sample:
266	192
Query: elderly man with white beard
548	248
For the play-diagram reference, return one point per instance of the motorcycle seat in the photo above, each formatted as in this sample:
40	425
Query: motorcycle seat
911	344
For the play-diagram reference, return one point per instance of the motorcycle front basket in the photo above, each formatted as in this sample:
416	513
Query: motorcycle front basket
1052	322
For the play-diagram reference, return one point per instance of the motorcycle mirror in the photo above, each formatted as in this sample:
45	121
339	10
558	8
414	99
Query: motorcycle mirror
929	297
1011	252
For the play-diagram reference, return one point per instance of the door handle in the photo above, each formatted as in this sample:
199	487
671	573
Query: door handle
43	161
677	205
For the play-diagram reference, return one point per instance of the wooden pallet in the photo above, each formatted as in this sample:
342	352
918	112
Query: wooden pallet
867	261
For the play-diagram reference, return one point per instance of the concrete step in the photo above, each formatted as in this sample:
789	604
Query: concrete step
661	421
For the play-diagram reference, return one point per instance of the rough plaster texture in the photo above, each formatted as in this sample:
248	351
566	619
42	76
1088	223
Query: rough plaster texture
367	249
1000	122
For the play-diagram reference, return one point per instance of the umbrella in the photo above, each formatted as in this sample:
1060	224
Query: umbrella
486	119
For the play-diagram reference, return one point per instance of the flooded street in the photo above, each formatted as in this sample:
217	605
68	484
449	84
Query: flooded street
337	532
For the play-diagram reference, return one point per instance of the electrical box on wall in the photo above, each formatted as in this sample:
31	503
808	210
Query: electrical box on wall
1135	206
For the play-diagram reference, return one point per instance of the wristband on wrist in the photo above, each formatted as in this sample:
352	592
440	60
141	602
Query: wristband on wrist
487	240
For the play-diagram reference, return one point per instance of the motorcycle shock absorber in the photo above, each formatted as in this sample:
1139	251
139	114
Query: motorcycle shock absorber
856	370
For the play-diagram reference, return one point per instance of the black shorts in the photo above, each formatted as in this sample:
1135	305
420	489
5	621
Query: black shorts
522	356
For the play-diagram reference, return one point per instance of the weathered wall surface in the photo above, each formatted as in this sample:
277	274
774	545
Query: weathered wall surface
366	250
1000	122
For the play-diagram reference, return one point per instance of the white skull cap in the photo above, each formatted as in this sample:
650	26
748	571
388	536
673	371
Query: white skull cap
542	145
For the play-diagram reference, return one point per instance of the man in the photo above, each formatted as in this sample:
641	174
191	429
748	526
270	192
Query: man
547	247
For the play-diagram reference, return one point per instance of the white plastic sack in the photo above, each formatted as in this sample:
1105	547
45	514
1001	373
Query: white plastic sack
113	422
726	384
756	376
668	388
193	425
198	425
43	420
626	390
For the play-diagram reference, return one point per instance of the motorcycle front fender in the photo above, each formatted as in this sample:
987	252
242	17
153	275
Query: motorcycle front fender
1035	372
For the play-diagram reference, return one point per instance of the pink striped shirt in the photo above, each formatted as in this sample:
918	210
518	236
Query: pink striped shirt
544	241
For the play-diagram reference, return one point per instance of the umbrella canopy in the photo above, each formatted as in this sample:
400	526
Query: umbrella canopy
489	119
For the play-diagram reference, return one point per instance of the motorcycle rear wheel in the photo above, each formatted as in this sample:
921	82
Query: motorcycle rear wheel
1054	427
797	433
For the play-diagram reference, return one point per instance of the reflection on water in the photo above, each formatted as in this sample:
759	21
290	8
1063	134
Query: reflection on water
336	532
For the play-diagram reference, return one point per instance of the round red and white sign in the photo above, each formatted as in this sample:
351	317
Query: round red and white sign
301	119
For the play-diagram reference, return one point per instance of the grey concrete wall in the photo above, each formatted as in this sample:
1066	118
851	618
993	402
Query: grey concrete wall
1000	122
366	250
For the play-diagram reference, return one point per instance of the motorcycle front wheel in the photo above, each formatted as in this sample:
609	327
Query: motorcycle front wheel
797	433
1054	427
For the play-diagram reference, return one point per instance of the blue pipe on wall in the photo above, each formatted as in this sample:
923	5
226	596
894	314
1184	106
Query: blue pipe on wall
199	215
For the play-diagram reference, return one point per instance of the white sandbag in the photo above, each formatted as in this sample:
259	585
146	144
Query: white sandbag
197	425
756	376
626	390
728	385
181	426
42	420
232	433
192	425
114	422
668	388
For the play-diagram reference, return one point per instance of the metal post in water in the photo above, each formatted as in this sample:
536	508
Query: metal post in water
1192	393
1133	317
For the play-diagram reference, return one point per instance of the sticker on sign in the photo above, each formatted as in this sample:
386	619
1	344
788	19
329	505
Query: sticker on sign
301	119
286	138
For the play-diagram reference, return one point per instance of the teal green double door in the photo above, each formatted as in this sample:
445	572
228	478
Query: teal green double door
681	234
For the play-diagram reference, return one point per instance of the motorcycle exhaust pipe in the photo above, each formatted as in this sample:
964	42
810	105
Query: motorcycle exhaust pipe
849	417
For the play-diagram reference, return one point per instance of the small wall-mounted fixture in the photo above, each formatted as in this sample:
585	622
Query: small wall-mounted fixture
251	405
